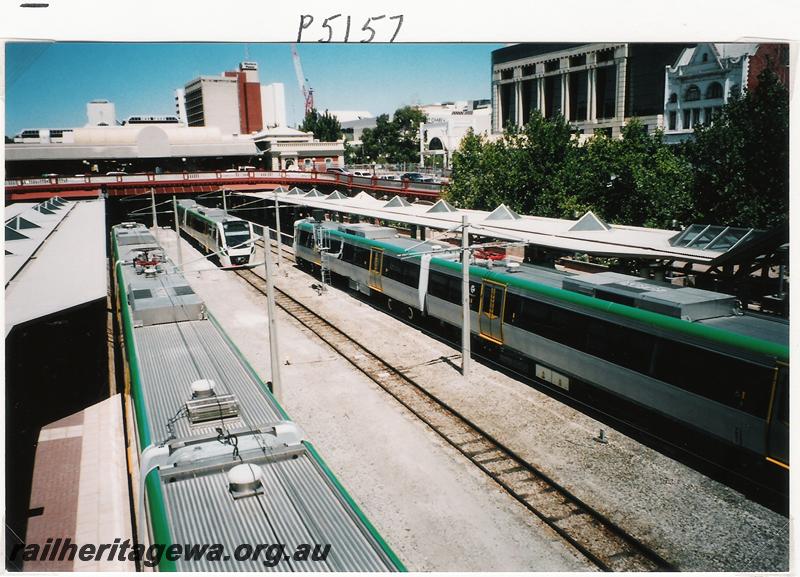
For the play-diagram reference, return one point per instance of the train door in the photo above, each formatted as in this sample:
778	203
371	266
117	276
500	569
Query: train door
375	269
778	432
490	313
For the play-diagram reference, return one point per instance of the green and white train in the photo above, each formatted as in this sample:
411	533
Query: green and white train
230	238
684	357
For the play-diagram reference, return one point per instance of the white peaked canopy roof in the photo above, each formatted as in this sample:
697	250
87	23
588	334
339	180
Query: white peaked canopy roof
589	234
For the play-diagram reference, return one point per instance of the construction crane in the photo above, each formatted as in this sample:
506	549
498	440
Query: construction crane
308	93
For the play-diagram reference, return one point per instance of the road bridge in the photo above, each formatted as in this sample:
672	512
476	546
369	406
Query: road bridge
90	186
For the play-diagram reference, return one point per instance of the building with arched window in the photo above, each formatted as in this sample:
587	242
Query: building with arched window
447	125
596	87
707	75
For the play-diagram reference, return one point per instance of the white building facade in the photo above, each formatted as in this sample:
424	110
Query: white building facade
101	113
700	82
447	125
273	104
213	101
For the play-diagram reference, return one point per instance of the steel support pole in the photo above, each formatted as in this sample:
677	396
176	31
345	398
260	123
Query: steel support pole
177	232
278	230
155	216
224	201
465	311
274	354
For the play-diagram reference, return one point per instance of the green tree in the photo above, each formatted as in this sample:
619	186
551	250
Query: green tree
325	127
541	169
741	159
406	121
636	179
377	144
395	140
526	169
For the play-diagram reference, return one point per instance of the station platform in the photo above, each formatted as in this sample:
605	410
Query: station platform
692	521
80	489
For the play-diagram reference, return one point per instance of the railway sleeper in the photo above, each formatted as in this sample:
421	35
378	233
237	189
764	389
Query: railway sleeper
500	466
497	457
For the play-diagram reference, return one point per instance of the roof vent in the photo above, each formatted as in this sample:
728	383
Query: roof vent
442	206
203	388
502	212
212	407
150	271
512	266
336	195
590	221
397	202
245	480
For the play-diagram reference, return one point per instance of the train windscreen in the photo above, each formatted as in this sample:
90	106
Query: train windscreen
237	232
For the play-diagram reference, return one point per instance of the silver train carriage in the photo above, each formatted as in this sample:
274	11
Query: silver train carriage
230	237
684	354
215	461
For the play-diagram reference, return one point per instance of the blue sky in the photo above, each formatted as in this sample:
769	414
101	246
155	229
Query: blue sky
48	85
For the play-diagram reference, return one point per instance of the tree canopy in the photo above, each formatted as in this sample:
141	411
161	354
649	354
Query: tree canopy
741	159
325	127
734	172
542	169
393	140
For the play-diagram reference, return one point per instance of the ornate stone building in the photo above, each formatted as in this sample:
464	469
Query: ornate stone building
596	87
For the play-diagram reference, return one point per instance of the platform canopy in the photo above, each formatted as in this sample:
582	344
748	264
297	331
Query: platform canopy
586	235
55	257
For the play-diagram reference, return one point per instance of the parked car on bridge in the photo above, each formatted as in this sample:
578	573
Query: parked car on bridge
416	177
337	170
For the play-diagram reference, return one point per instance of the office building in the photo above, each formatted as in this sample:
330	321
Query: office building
596	87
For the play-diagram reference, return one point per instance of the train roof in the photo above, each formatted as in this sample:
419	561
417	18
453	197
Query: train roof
173	356
214	215
288	497
694	312
156	291
202	413
752	325
388	236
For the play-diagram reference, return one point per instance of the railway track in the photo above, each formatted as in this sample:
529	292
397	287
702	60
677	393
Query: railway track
595	536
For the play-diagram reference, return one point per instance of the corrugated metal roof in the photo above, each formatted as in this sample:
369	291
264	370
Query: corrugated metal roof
172	356
58	260
297	506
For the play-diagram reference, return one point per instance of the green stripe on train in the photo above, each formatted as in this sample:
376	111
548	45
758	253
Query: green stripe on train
663	322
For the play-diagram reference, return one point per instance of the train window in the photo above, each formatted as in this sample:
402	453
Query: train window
620	345
410	272
783	397
347	252
733	382
361	256
237	232
392	268
335	245
439	285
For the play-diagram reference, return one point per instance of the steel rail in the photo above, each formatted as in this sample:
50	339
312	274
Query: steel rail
593	534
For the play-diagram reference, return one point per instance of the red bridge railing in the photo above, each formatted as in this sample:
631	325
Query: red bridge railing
89	186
